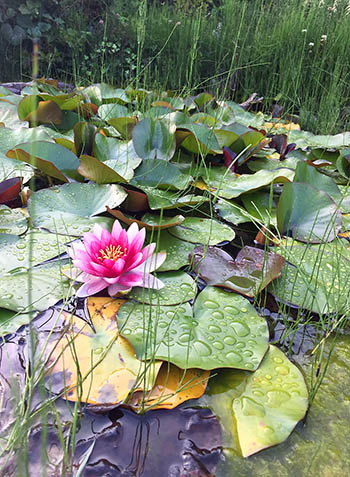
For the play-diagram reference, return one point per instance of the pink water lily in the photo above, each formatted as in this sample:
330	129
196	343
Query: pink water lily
115	260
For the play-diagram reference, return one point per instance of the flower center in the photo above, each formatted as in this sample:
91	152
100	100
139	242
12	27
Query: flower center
112	252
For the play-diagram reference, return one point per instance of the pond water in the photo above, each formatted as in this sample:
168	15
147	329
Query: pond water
195	439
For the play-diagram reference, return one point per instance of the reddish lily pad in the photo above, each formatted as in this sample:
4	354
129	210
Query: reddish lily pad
250	273
148	221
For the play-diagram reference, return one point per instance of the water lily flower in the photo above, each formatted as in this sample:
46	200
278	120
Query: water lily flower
115	260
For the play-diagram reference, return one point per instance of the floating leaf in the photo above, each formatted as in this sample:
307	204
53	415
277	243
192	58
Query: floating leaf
225	331
266	404
9	138
232	212
118	155
251	271
49	157
12	221
10	168
112	110
161	174
166	199
97	171
14	250
124	125
10	189
34	289
228	186
261	205
153	139
10	321
308	214
70	209
149	221
178	288
96	365
84	137
199	230
172	387
317	279
177	251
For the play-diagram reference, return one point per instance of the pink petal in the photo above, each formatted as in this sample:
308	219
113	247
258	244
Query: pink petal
152	282
132	231
131	279
133	261
116	288
117	228
91	287
137	242
151	263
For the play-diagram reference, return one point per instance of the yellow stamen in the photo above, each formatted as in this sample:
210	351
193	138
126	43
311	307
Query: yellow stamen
112	252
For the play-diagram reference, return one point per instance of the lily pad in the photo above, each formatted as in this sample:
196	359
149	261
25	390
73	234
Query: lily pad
161	174
49	157
70	209
172	387
261	205
153	139
262	408
232	212
178	288
96	365
166	199
34	289
200	230
229	186
149	221
10	168
225	331
317	278
15	251
10	321
9	138
177	251
12	221
251	271
308	214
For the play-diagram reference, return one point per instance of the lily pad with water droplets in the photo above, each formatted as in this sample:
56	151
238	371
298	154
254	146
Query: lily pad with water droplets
262	408
200	230
96	365
224	331
14	250
35	289
232	212
12	221
10	168
317	277
71	209
178	288
169	199
177	251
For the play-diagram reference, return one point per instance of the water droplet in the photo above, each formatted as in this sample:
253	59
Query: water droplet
214	329
277	397
268	376
98	350
283	370
252	408
241	329
229	340
244	310
258	393
202	348
21	245
278	360
211	304
218	345
231	310
218	315
234	357
8	296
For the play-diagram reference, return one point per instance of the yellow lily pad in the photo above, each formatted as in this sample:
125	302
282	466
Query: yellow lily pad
95	364
173	386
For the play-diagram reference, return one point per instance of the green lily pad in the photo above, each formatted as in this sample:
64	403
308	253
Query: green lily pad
178	252
10	168
178	288
166	199
12	221
196	138
112	110
261	205
262	408
161	174
225	331
119	155
317	279
229	186
98	171
308	214
34	289
232	212
153	139
9	138
307	139
14	250
10	321
199	230
70	209
49	157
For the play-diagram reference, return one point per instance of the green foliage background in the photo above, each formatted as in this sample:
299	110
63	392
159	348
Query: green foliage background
296	53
